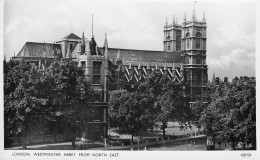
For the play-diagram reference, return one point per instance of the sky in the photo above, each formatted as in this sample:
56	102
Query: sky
231	27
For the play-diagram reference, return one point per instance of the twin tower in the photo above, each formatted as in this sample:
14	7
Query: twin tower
189	39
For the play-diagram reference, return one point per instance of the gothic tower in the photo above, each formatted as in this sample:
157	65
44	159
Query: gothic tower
95	65
172	36
193	54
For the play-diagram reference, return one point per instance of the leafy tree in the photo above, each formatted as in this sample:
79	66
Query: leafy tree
69	92
22	103
231	114
33	94
127	111
197	109
166	100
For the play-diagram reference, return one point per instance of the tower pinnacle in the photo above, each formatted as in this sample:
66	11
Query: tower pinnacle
83	46
194	14
184	19
92	26
105	44
204	19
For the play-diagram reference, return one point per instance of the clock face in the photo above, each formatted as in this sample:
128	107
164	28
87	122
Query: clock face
187	60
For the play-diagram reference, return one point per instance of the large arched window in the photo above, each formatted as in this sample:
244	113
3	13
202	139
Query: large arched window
178	41
188	40
198	40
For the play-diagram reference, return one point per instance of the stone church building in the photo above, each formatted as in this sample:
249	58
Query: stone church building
183	59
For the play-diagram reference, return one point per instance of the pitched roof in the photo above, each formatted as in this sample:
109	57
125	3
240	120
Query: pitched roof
34	49
144	55
72	36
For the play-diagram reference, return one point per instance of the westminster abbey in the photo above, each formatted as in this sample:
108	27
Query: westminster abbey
183	60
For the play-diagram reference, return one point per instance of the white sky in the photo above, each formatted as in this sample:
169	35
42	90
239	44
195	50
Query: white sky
137	25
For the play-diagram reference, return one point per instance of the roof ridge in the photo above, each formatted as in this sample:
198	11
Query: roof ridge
139	50
72	36
41	43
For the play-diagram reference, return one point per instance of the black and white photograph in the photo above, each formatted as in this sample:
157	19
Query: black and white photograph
85	79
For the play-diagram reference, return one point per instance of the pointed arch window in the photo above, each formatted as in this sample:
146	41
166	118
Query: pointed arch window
178	41
188	40
198	40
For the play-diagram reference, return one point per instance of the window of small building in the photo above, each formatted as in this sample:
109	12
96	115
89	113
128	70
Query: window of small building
97	67
96	73
97	97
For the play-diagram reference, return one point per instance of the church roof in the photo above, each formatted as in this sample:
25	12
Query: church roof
144	55
34	49
72	36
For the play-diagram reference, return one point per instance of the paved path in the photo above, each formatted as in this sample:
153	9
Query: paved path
146	144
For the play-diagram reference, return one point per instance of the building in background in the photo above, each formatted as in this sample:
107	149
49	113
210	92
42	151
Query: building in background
183	60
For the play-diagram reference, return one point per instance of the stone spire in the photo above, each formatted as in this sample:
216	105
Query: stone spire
184	19
148	68
204	19
165	66
106	47
157	66
194	14
173	21
166	23
83	45
181	71
118	56
173	70
105	41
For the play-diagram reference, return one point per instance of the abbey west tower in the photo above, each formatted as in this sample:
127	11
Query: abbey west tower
190	39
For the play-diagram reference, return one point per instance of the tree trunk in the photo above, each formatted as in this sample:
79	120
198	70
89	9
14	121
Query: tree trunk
73	138
164	132
24	142
132	137
233	146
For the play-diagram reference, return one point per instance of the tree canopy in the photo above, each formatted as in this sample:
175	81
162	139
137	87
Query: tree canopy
232	114
33	96
157	99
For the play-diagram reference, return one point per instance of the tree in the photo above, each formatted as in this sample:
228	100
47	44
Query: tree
30	93
166	100
69	92
197	108
127	111
22	103
231	114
